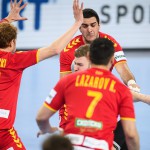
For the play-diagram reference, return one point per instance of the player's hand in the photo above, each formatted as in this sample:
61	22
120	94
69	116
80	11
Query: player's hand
133	86
77	11
53	130
14	14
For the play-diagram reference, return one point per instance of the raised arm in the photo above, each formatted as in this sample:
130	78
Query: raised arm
14	14
127	76
141	97
56	47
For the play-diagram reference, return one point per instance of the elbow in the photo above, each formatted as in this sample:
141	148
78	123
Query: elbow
41	118
131	135
57	51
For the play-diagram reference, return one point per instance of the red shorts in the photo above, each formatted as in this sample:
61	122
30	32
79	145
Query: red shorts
9	140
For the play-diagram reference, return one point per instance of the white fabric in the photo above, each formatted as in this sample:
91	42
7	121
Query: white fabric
92	143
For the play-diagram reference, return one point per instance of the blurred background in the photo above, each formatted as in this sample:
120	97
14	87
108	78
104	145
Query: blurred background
127	21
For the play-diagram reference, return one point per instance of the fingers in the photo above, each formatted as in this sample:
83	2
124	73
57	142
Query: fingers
19	3
23	6
39	133
23	18
15	2
75	4
81	6
11	4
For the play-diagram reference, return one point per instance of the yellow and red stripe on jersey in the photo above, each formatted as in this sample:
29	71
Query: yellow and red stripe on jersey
15	137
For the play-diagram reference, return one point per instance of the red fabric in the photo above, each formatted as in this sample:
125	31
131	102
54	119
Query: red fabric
10	140
11	69
96	95
67	55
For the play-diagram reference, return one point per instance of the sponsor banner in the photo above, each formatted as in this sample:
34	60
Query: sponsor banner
127	21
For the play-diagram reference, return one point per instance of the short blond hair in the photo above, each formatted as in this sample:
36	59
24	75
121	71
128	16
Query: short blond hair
82	51
8	32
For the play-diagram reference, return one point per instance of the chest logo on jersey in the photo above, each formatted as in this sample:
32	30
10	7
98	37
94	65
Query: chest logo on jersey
88	123
3	62
71	44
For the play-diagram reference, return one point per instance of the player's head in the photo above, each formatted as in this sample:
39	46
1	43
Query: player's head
81	62
8	35
90	26
102	52
57	142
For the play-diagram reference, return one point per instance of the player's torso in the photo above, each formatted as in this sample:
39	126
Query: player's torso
67	55
89	108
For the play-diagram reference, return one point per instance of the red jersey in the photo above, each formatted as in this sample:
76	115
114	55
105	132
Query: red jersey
67	55
94	98
11	69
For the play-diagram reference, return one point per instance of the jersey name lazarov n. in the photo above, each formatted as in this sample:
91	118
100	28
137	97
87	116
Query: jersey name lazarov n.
95	82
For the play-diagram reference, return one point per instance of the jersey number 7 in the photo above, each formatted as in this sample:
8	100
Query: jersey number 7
97	96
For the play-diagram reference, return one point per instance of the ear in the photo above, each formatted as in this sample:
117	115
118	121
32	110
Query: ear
112	59
80	29
99	26
88	56
11	44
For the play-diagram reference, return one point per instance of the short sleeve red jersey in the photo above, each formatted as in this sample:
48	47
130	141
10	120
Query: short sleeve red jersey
93	99
11	69
67	55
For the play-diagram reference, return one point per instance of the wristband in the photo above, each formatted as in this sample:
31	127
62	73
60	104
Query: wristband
131	82
5	20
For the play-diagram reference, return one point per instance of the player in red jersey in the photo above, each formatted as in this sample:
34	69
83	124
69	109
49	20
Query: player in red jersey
12	65
81	63
90	31
94	99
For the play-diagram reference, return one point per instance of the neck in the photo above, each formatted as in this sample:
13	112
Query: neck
5	50
100	66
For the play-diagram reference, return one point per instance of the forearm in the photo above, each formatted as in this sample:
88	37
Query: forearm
4	20
44	125
59	44
124	72
127	76
133	143
141	97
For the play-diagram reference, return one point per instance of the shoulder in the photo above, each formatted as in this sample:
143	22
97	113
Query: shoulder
74	44
119	83
116	44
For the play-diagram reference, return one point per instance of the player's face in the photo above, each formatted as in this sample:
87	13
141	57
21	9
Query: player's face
89	29
81	63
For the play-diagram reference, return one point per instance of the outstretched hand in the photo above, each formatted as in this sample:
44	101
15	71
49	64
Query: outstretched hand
53	130
77	11
14	14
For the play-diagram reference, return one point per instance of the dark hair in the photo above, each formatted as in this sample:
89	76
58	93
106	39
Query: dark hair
101	50
88	13
82	51
8	32
57	142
